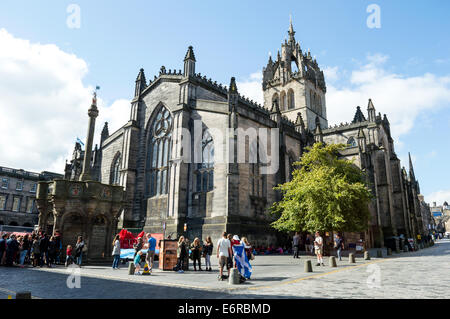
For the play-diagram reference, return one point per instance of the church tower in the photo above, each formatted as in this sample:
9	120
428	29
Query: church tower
296	82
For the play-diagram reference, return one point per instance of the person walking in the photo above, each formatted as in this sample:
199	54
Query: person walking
186	255
138	246
207	252
12	246
181	252
247	247
69	256
36	251
43	247
58	246
3	247
51	251
150	251
25	246
338	245
79	251
318	248
116	252
223	253
196	249
137	263
295	244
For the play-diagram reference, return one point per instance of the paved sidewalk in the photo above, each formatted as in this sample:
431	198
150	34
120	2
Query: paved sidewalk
406	275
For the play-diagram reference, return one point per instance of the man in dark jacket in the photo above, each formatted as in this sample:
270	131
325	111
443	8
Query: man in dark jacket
11	249
2	247
43	246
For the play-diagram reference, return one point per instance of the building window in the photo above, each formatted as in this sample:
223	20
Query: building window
3	199
5	183
33	188
159	152
258	181
16	204
30	205
283	101
275	99
205	169
291	99
351	141
115	170
19	185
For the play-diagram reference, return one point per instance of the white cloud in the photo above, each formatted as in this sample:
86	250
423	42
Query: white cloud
439	197
43	104
252	87
331	73
401	98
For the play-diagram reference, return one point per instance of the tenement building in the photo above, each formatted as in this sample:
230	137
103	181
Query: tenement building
18	196
177	161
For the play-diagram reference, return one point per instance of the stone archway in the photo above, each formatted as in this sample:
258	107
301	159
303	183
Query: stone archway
72	227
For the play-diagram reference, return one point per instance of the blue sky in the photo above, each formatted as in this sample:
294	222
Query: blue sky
233	38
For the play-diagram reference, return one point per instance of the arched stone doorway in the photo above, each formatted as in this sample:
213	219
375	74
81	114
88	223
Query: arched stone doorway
72	227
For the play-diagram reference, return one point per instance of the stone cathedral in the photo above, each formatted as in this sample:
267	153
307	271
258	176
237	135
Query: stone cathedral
147	154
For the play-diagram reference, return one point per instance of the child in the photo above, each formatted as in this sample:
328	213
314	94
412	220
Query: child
137	261
69	255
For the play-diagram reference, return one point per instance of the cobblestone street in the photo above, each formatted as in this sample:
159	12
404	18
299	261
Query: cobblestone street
421	274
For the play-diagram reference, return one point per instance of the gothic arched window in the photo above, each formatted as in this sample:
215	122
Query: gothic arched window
158	154
283	100
291	100
115	170
258	181
205	169
275	98
351	141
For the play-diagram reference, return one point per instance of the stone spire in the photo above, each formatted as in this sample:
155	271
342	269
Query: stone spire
371	111
361	140
233	95
93	113
291	31
359	116
141	83
299	123
411	168
105	134
189	62
318	136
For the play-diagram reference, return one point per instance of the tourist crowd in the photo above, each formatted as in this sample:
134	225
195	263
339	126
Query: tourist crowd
37	249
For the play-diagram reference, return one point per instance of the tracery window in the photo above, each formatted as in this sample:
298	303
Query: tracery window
291	100
258	181
283	101
115	171
351	141
205	170
158	154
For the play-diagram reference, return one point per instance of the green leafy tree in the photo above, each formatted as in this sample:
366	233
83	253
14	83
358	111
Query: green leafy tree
325	194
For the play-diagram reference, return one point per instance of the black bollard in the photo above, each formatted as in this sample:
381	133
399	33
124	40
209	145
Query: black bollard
308	266
332	261
351	258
